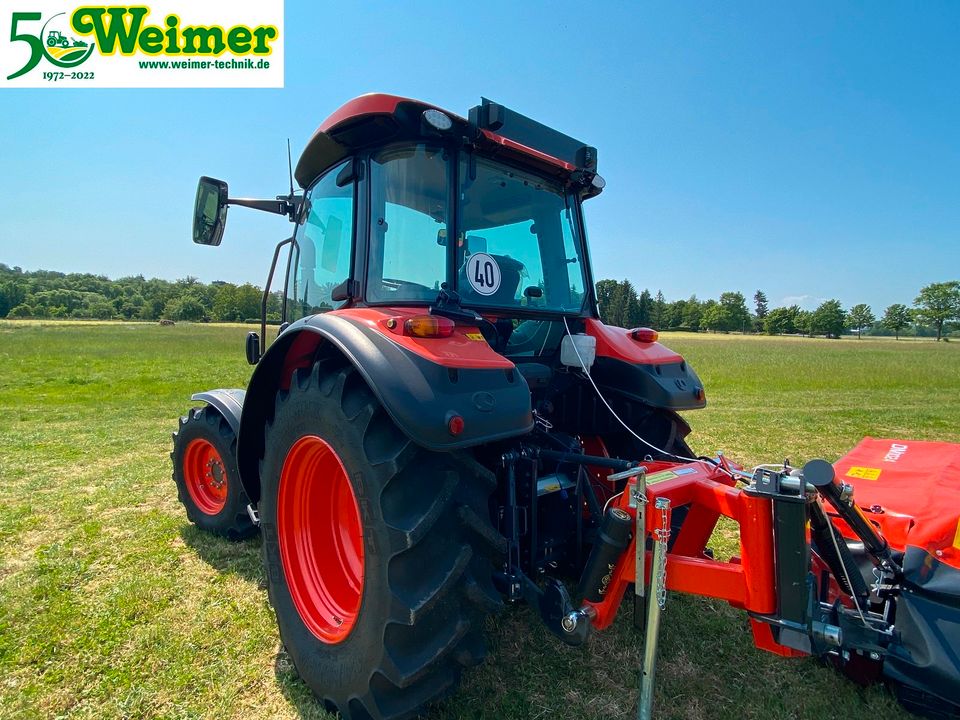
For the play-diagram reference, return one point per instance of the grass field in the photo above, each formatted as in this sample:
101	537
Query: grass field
112	606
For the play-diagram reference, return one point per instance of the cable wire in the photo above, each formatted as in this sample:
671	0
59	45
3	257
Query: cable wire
853	594
626	427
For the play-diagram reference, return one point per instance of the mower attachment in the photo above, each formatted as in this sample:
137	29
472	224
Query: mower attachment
858	563
911	492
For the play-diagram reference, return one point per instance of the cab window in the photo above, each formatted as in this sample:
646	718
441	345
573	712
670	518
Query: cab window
321	257
408	224
518	245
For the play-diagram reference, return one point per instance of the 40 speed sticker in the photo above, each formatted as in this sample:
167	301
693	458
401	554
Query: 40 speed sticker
483	273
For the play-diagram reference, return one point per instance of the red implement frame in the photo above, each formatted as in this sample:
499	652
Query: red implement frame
747	581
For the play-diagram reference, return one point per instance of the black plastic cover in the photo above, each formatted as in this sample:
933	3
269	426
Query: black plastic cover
673	386
227	401
510	124
927	656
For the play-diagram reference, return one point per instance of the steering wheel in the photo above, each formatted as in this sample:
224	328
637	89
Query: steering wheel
395	285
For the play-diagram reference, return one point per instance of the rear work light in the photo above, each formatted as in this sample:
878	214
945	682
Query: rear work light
424	326
644	335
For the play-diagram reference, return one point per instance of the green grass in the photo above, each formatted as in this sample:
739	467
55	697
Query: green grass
112	606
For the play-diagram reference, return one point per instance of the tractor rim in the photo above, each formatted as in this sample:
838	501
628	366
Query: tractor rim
321	539
206	476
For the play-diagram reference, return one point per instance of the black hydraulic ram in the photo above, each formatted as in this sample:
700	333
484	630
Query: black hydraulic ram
612	540
822	476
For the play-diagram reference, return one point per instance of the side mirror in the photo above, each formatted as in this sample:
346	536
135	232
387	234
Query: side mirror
253	348
210	211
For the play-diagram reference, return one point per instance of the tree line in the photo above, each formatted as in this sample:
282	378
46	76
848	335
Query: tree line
48	294
934	312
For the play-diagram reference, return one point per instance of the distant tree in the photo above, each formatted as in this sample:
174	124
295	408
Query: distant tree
236	303
828	319
605	290
631	306
12	293
622	305
101	311
659	313
716	317
737	315
897	317
646	309
859	317
21	311
802	320
760	305
781	321
185	308
691	313
938	303
612	307
674	314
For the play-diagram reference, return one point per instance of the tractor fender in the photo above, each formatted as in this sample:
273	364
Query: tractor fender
419	395
226	401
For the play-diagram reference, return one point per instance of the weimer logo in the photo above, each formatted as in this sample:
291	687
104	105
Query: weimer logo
123	28
53	43
140	46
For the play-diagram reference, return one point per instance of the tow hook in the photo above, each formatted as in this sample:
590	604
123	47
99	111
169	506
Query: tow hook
570	625
577	623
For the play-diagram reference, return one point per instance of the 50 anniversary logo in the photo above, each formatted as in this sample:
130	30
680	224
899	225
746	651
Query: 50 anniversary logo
132	49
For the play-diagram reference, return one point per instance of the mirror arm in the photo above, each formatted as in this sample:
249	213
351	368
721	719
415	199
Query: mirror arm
284	205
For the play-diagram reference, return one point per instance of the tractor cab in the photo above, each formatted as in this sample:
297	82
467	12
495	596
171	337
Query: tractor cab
408	206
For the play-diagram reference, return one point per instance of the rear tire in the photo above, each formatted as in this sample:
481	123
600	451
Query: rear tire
205	471
425	581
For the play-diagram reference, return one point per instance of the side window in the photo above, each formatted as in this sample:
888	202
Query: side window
408	224
321	258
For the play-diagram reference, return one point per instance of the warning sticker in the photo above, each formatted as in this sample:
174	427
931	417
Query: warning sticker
662	475
483	273
864	473
476	337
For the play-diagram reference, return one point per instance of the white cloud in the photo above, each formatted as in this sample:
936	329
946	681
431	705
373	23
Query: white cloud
806	302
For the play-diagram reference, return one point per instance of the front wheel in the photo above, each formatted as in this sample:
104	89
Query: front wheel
378	552
205	471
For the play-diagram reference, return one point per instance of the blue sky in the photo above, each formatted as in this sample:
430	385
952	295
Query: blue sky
809	149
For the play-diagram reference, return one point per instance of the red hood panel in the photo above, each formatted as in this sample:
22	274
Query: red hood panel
615	342
916	484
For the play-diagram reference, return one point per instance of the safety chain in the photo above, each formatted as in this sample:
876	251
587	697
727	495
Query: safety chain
662	534
542	421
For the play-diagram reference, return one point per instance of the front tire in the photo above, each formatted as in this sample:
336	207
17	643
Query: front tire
205	471
378	552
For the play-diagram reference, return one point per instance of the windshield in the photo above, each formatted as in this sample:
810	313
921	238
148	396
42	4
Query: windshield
516	244
517	247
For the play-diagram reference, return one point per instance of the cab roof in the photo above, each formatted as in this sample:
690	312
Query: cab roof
378	118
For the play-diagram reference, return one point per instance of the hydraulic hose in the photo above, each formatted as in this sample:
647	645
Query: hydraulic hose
842	565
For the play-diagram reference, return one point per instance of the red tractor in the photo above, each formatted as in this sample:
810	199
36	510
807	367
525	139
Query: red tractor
443	426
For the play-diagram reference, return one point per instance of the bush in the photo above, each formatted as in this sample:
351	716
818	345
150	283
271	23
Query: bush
21	311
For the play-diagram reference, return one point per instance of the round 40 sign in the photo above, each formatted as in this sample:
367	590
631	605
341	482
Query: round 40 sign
483	273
